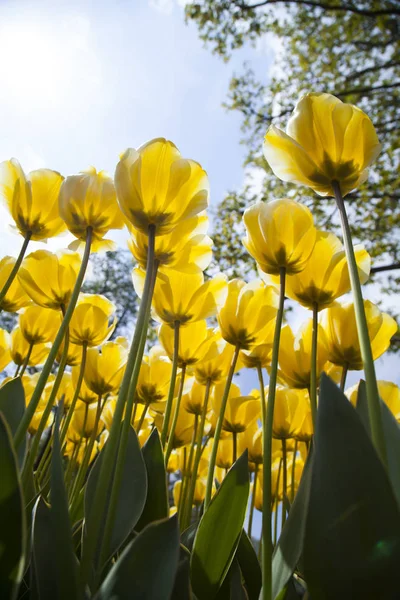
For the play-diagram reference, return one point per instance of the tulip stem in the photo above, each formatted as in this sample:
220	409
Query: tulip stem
171	435
374	408
218	429
171	391
186	484
313	371
234	447
345	369
15	268
293	470
95	521
267	448
284	482
76	394
278	480
253	500
33	404
142	417
26	361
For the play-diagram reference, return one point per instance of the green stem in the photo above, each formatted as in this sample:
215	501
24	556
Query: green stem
278	479
95	521
267	449
76	395
33	404
313	371
15	268
171	434
218	429
26	361
168	407
253	500
234	447
374	408
142	417
183	507
345	369
284	482
293	470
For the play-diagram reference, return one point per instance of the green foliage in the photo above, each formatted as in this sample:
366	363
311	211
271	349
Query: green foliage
12	406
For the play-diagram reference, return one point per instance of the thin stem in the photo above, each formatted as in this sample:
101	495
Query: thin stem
374	409
284	482
267	449
142	417
183	506
253	500
171	435
293	470
171	391
76	394
345	369
218	429
234	447
26	361
33	404
278	480
95	521
313	370
15	268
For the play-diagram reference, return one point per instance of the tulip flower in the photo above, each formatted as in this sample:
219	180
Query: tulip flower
193	401
154	377
251	439
21	350
195	343
105	367
241	411
85	394
215	366
343	345
295	355
88	201
5	356
389	393
93	320
16	297
287	418
49	278
32	200
39	325
186	248
83	423
225	453
326	140
246	316
183	430
326	275
73	357
156	186
280	234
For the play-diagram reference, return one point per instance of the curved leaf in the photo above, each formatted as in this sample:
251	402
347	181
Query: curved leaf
146	568
12	405
249	566
219	532
156	506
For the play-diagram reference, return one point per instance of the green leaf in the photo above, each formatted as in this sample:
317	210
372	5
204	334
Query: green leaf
146	568
12	518
188	536
249	565
12	405
182	590
156	506
290	545
219	532
44	579
352	541
132	495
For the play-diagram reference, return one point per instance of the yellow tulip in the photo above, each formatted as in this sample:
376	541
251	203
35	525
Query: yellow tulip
105	367
195	343
339	324
295	355
39	325
287	418
156	186
183	297
16	296
93	320
20	349
85	394
193	401
154	377
83	422
74	355
326	275
184	427
70	449
216	364
303	416
5	356
173	462
186	248
49	278
326	140
280	234
240	410
246	316
88	200
251	439
66	390
261	354
225	453
32	200
388	391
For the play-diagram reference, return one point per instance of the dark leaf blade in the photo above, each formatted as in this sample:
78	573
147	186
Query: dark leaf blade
132	495
219	532
352	540
12	518
147	567
12	405
156	506
249	565
44	582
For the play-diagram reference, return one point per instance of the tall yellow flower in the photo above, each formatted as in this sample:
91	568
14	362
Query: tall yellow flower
287	418
5	356
20	349
195	343
183	297
326	275
339	324
83	422
215	366
156	186
186	248
89	200
193	401
326	140
280	234
246	316
85	394
49	278
16	296
39	325
154	377
32	200
388	391
240	410
105	366
93	320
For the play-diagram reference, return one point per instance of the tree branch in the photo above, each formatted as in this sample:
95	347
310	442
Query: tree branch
392	267
386	86
325	6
